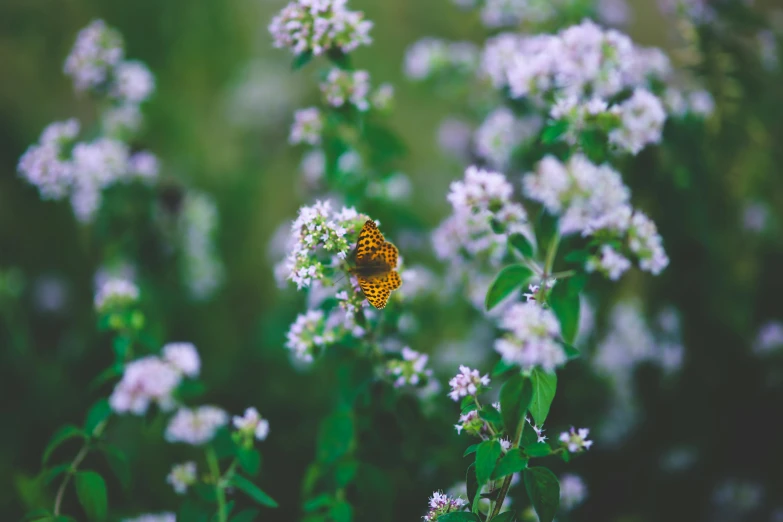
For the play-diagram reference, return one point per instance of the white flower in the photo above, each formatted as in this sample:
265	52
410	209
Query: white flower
183	357
410	370
44	165
647	244
98	49
501	133
116	292
611	263
532	337
440	504
429	57
150	517
252	422
573	491
144	165
769	337
499	13
122	121
467	382
101	162
182	476
133	82
341	87
145	381
539	430
195	426
319	25
576	440
498	56
641	122
202	267
307	128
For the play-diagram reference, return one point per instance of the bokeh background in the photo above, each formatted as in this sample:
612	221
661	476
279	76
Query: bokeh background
704	444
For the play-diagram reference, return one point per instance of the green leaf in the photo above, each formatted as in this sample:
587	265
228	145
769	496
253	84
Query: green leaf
512	462
539	449
486	458
459	516
190	389
503	367
335	436
48	475
119	464
115	370
96	416
553	131
316	503
566	456
508	280
544	491
37	515
529	436
344	472
341	511
467	402
246	515
301	60
193	511
253	491
470	449
515	397
490	414
570	351
224	444
249	460
508	516
91	490
564	300
65	433
205	492
577	256
544	387
521	244
471	484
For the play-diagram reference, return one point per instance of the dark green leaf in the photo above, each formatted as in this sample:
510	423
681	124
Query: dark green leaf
539	449
190	389
301	60
321	501
193	511
52	473
250	460
121	346
246	515
91	490
577	256
119	464
553	131
486	458
529	436
515	397
508	516
344	472
471	484
564	300
490	414
339	58
544	387
512	462
566	456
115	370
341	511
503	367
205	492
37	515
521	244
65	433
253	491
335	437
224	444
570	351
97	415
466	402
544	491
470	449
508	280
459	516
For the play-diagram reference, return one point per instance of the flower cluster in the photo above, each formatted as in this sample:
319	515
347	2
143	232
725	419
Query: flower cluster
467	382
307	127
573	491
411	369
195	426
641	121
480	202
201	265
532	338
154	379
576	440
441	504
341	87
314	330
116	293
320	240
432	57
182	476
501	133
45	165
252	423
318	26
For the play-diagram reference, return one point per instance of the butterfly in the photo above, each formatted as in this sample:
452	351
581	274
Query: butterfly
376	261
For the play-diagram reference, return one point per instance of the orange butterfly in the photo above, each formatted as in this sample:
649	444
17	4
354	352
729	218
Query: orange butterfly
376	261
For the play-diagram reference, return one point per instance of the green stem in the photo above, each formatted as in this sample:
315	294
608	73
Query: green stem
220	493
550	255
77	460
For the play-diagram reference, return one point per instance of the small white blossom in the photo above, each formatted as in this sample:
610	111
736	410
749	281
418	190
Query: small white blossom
611	263
144	165
195	426
150	517
573	491
647	244
576	440
133	82
430	57
341	87
116	292
183	357
440	504
467	382
44	165
411	370
307	128
182	476
145	381
202	267
532	337
539	430
769	337
641	122
252	422
501	133
98	49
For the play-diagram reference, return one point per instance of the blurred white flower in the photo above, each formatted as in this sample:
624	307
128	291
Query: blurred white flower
440	504
531	339
307	127
573	491
411	369
98	49
252	422
115	293
467	382
576	440
183	357
195	426
145	381
182	476
133	82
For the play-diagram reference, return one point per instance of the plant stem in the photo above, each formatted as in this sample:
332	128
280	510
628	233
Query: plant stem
71	471
501	496
220	493
551	253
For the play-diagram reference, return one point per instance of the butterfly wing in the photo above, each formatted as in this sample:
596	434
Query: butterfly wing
377	288
370	243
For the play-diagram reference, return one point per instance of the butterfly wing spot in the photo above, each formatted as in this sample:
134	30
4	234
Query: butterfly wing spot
370	242
378	259
389	253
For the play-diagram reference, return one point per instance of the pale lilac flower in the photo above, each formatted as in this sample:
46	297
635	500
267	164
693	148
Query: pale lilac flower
307	128
98	49
252	422
153	517
610	263
641	122
440	504
454	137
182	476
769	338
144	165
306	335
319	25
647	244
313	168
183	357
701	103
532	337
467	382
382	98
573	491
505	445
500	13
122	121
195	426
145	381
411	370
202	268
539	430
430	57
341	87
396	187
498	56
100	162
115	293
44	165
576	440
501	133
472	424
133	82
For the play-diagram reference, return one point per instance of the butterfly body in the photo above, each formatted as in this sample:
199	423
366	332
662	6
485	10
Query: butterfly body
375	265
